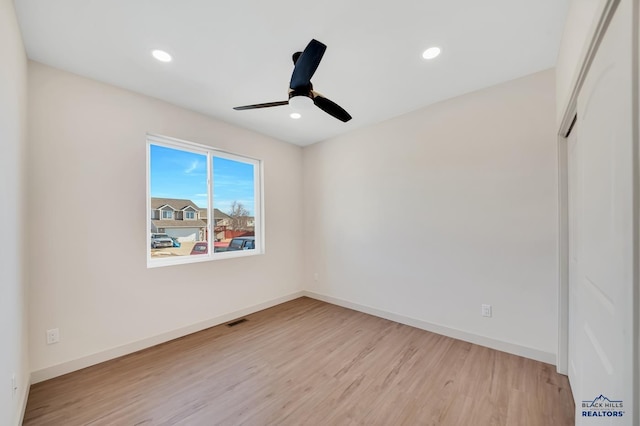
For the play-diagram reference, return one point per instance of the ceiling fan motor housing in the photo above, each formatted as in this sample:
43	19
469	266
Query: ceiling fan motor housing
301	91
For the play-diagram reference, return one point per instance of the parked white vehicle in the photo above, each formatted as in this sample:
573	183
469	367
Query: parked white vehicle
161	240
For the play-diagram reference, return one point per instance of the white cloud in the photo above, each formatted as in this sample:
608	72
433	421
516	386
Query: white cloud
194	165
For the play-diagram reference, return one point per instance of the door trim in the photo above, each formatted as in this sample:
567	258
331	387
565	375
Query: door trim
635	95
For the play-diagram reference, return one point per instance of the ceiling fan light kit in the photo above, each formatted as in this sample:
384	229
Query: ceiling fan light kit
301	93
301	102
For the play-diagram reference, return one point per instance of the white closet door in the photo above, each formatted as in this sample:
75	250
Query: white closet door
601	253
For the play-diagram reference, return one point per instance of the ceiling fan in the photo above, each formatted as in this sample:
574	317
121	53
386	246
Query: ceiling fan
300	88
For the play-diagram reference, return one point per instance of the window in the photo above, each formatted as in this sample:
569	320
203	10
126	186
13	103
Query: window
216	197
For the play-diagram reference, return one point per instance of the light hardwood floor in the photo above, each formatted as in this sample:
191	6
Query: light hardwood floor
307	362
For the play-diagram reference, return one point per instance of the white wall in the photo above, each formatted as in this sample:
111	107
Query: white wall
87	157
578	31
13	304
431	214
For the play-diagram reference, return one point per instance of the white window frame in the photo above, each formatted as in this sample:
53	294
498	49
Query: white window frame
209	152
162	213
186	214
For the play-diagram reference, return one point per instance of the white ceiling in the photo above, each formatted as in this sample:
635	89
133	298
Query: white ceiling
238	52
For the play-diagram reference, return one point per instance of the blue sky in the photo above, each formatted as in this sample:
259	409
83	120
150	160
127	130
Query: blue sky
181	174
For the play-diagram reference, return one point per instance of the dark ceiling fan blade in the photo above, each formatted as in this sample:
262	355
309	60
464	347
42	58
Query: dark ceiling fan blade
266	105
331	108
307	64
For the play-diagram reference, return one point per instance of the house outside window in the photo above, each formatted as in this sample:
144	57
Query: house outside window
190	215
167	214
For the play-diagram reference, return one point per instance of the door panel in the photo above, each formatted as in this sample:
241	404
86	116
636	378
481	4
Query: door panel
601	250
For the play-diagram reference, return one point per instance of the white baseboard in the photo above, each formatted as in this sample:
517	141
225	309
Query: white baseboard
535	354
87	361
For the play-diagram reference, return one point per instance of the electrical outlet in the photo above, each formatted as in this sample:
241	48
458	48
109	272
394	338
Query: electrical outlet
14	385
53	336
486	311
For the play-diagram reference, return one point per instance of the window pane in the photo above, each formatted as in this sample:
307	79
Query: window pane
178	180
233	201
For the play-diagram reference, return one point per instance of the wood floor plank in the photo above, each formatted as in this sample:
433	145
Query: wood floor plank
307	362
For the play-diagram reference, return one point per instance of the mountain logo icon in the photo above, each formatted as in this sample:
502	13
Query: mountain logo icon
600	401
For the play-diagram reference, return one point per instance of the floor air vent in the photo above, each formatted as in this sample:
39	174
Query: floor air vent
236	322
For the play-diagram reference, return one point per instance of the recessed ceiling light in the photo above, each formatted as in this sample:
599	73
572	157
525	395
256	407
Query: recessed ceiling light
161	55
431	53
295	115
